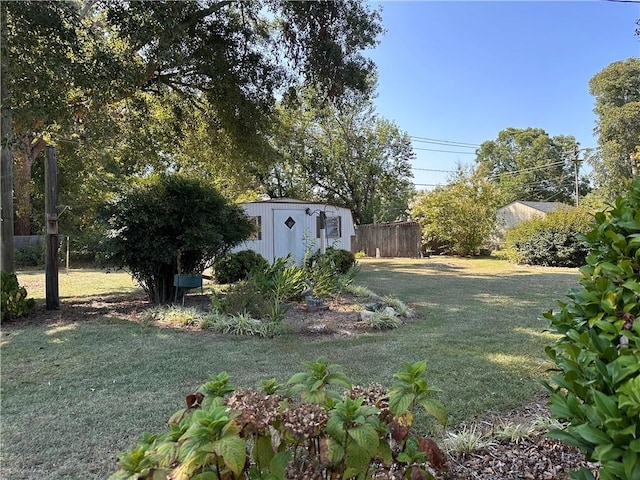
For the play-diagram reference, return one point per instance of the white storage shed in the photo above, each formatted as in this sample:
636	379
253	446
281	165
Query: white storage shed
289	226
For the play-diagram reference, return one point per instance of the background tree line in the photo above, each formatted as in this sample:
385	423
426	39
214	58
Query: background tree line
528	164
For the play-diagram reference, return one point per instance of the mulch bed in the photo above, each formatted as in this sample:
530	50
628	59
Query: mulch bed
534	457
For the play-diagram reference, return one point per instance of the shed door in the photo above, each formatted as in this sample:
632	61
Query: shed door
288	234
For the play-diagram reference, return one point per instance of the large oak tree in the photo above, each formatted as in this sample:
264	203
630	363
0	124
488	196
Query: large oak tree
344	154
530	165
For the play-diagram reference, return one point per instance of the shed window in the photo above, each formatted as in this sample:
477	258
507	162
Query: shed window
333	227
257	234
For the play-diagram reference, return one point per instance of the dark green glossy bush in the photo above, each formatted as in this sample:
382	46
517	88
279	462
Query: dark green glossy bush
597	387
170	224
236	266
553	241
340	260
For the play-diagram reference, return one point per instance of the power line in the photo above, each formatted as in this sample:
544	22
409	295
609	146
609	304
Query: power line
432	170
443	151
443	142
529	169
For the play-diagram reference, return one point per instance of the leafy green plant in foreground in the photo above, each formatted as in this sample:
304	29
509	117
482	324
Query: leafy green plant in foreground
299	431
597	389
13	299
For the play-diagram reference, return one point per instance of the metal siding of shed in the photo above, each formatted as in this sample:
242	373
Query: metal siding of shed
265	247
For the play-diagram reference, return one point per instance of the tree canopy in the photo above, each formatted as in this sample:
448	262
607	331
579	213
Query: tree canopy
460	215
69	70
342	153
617	104
530	165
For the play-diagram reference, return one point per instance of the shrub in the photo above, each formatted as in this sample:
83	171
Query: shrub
331	272
13	299
237	266
282	280
30	255
167	224
266	292
317	425
597	389
243	297
340	260
555	240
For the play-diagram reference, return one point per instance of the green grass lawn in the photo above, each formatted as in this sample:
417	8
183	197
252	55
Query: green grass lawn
75	394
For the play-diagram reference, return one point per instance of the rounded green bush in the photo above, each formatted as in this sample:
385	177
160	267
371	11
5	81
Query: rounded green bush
555	240
236	266
597	389
340	260
161	225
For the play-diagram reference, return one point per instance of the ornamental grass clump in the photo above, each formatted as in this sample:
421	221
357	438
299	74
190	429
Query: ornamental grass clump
383	320
597	385
304	428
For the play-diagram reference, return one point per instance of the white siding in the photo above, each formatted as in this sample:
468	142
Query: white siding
266	246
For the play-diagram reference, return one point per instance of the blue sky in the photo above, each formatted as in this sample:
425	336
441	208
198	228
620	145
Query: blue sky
464	71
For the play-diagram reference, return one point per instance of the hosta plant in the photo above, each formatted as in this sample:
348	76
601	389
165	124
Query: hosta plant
597	385
297	430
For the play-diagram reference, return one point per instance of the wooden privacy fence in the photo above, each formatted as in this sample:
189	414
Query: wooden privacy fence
398	239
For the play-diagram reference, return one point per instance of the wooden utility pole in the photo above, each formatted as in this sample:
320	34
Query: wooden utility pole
6	162
51	221
575	164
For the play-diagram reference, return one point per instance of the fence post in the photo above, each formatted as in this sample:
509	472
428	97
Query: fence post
51	221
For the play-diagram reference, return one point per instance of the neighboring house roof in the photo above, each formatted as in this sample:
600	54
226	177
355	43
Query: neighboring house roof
519	211
541	206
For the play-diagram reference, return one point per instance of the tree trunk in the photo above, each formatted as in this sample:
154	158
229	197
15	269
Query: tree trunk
23	187
22	192
164	292
6	166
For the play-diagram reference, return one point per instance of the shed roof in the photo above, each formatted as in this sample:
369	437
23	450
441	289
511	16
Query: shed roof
281	200
294	200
